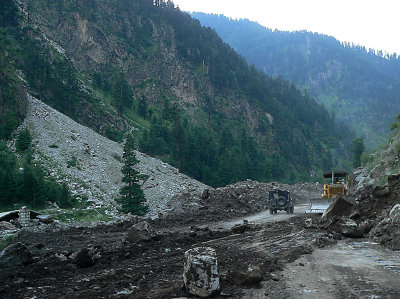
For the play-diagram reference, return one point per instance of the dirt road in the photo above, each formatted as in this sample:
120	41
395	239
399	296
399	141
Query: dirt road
262	217
270	249
350	269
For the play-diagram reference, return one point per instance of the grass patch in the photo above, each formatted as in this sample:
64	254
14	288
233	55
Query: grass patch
73	162
4	241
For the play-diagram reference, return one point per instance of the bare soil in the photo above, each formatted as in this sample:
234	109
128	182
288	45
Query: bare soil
273	256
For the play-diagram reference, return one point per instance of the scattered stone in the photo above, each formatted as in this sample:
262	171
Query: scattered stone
46	219
61	257
393	179
15	255
321	242
275	277
240	228
250	277
349	228
381	191
201	277
205	194
308	223
84	259
139	232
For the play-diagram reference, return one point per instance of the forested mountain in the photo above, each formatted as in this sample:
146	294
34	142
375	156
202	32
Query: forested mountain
145	67
360	86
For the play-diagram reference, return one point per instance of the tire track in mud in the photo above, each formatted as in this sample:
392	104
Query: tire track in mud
151	269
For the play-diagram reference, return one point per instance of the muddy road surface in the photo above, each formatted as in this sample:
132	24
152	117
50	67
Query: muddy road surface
270	257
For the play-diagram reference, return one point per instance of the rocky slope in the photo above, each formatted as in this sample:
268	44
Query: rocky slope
383	163
91	163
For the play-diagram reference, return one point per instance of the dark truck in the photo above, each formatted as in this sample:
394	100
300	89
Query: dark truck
280	200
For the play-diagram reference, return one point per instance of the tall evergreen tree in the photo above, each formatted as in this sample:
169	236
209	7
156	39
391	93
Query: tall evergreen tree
357	147
131	198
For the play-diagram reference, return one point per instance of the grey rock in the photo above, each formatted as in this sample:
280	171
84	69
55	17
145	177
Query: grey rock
139	232
15	255
349	228
84	258
45	218
4	225
201	276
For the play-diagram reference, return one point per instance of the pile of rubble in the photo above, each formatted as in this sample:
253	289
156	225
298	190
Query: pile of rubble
232	201
96	174
374	214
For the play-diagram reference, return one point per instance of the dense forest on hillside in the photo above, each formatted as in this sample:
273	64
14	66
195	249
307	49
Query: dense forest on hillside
21	180
193	100
360	86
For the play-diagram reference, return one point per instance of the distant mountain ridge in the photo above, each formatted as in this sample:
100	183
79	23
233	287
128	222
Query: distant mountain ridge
359	86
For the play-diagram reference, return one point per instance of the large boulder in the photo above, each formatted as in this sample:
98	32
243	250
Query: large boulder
84	258
349	228
15	255
139	232
201	276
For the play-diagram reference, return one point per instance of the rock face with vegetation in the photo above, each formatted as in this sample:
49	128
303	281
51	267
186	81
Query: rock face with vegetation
378	166
360	86
192	100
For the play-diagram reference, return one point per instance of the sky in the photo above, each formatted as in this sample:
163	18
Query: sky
370	23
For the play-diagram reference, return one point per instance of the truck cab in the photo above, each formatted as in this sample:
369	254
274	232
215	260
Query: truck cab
280	200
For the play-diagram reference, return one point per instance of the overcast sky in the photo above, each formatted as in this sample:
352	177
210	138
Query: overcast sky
370	23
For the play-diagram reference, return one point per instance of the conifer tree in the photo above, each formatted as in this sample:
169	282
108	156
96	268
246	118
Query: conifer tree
24	140
131	198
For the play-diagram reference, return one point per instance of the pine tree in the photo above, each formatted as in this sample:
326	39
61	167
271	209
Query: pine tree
131	198
24	140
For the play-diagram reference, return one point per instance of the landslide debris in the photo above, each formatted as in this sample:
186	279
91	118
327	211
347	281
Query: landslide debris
97	174
232	201
99	262
374	214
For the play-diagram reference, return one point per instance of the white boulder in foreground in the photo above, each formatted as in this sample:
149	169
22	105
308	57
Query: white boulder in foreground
200	273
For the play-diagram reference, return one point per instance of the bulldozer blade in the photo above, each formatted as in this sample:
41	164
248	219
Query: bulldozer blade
319	206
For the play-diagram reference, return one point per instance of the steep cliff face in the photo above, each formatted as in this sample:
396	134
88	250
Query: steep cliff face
109	37
98	61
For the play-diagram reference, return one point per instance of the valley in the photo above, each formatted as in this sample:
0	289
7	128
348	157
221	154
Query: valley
98	98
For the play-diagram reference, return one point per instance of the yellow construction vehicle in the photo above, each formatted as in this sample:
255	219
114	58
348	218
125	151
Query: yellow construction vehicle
335	182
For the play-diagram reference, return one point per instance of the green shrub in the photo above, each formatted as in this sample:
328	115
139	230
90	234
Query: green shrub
73	162
366	158
64	198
